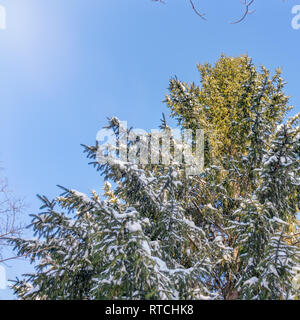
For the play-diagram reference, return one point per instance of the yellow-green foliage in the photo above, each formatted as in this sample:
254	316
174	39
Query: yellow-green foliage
223	102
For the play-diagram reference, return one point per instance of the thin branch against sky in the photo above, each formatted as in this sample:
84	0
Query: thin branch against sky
247	4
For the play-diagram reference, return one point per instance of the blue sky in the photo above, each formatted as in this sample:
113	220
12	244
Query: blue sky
67	65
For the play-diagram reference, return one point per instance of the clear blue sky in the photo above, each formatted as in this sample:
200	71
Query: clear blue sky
67	65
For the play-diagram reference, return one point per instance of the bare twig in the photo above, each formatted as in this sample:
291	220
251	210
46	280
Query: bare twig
246	3
247	10
201	15
10	208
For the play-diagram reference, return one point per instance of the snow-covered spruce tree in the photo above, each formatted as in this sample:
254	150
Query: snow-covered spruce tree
137	243
271	254
230	233
248	197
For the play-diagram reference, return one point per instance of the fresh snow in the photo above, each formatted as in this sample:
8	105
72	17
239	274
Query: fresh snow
251	281
81	195
133	226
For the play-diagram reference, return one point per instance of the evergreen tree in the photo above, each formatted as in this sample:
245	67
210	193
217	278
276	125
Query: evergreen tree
252	167
132	245
229	233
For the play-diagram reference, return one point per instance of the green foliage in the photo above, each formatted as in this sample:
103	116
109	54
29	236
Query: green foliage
226	104
230	233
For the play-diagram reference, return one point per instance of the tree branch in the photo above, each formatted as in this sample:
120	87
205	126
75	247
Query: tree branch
246	3
201	15
247	11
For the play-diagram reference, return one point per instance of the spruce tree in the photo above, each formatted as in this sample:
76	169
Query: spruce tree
230	232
